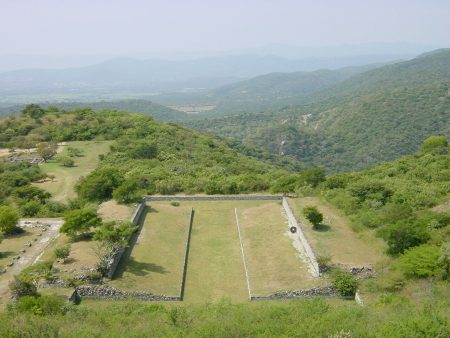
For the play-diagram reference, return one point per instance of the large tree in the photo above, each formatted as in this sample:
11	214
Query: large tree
80	221
46	150
8	219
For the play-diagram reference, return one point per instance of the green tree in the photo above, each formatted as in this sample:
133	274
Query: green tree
421	261
80	221
33	110
435	145
127	192
344	282
312	176
113	233
46	150
405	235
313	215
66	161
8	219
100	184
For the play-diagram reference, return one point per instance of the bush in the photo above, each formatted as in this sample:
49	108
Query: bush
62	253
344	282
20	288
80	221
435	145
175	204
313	215
66	161
421	261
8	219
39	305
405	235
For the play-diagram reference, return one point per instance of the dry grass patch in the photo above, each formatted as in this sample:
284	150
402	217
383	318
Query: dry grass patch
336	237
273	263
113	211
154	260
62	186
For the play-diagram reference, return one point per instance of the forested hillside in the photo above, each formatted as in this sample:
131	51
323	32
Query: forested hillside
147	157
153	109
372	117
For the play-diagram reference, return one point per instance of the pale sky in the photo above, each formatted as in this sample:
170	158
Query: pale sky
67	27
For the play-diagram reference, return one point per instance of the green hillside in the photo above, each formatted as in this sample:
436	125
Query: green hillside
153	109
372	117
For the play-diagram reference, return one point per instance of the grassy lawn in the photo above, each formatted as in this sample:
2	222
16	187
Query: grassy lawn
62	187
112	211
272	261
336	237
215	267
154	260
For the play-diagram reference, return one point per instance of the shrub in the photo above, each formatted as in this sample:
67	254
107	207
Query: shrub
344	282
62	253
404	235
313	215
66	161
20	288
39	305
421	261
112	233
435	145
175	204
8	219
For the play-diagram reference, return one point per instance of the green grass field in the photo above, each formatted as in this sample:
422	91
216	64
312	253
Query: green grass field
273	263
62	186
154	260
336	238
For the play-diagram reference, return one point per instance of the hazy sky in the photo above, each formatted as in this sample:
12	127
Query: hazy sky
64	27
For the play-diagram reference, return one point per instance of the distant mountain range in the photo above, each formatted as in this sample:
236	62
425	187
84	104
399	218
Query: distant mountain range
145	78
370	117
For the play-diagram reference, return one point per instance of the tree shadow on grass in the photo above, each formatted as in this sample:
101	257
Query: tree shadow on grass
6	254
322	227
141	268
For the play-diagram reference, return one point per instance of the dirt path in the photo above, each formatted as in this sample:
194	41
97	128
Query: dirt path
33	253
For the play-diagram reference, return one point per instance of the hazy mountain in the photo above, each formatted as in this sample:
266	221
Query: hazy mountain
371	117
144	77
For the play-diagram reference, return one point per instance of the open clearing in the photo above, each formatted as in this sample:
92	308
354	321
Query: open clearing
335	238
273	263
62	187
154	260
215	268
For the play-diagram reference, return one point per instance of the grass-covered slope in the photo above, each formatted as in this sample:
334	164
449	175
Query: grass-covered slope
147	156
372	117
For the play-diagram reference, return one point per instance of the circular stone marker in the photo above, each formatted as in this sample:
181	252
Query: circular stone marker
293	230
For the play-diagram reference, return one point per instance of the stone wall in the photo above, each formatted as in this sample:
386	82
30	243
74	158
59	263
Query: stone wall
116	255
214	198
109	293
308	249
186	254
323	292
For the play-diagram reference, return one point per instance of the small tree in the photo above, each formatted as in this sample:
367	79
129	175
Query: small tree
46	150
313	215
62	253
113	233
80	221
344	282
8	219
435	144
33	110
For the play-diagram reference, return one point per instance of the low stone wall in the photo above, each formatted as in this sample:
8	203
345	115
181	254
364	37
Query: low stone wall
308	249
214	198
106	292
186	254
323	292
116	255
